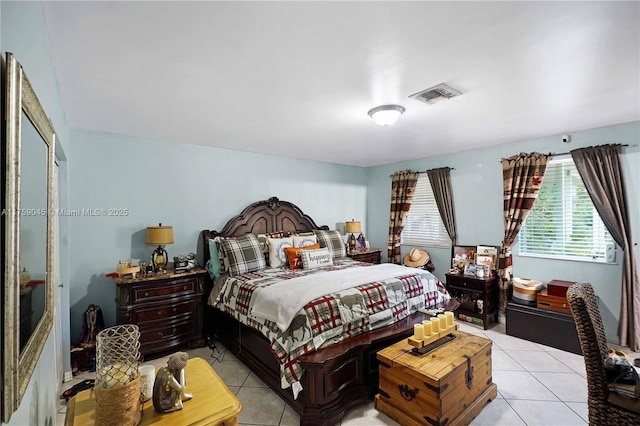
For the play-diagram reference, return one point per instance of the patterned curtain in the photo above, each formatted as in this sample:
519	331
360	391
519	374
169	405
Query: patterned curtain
601	171
521	180
403	186
440	180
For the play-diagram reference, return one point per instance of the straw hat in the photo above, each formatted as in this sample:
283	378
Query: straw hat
416	258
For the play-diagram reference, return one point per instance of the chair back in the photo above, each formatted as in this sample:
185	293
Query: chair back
591	334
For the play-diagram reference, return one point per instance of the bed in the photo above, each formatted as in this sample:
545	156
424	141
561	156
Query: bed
323	374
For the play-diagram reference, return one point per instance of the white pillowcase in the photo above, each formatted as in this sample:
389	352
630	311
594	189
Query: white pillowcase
316	258
277	255
304	240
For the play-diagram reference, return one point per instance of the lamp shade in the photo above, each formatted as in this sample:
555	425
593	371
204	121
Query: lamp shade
160	235
352	227
386	115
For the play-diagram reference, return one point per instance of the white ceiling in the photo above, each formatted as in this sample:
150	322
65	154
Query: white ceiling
297	78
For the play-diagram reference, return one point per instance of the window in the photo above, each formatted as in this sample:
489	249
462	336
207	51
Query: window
423	226
563	222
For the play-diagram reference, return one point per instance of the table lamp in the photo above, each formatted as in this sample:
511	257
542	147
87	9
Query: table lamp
352	227
161	235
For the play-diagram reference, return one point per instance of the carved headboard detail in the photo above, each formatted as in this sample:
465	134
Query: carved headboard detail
264	217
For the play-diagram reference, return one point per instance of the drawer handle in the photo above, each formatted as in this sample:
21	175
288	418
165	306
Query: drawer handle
407	393
146	293
160	313
173	331
184	288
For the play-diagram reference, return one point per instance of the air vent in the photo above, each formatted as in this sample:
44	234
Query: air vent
436	94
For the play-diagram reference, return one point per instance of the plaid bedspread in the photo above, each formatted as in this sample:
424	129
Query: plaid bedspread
330	318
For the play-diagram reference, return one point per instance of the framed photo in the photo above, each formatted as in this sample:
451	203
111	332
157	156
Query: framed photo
481	256
470	269
462	254
486	260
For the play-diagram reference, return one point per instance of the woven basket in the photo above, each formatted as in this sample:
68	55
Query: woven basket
119	406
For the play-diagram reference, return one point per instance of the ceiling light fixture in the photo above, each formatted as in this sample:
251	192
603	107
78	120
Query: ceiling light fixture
385	115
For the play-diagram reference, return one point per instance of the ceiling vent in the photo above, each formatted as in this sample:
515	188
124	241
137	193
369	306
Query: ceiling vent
436	94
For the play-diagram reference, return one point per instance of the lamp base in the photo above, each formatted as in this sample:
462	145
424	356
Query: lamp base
352	243
159	259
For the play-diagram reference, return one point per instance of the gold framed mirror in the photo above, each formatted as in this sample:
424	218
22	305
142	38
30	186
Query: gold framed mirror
28	235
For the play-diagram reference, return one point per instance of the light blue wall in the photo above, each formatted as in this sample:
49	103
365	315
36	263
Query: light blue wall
188	187
23	34
477	193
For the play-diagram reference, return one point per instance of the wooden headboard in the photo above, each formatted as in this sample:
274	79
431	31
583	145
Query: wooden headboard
264	217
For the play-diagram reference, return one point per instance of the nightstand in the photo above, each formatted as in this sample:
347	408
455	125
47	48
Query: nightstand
370	256
479	297
167	307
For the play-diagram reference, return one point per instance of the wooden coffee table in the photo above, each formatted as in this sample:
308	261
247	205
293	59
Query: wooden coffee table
212	404
447	386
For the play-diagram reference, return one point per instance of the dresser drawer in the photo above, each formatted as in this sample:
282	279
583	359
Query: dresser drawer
466	283
167	332
148	293
164	312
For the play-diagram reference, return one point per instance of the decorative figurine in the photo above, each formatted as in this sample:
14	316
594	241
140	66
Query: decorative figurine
169	386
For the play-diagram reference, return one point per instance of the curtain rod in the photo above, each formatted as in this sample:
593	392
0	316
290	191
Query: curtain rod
425	171
556	154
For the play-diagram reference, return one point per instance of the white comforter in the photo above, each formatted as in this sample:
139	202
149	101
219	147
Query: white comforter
280	302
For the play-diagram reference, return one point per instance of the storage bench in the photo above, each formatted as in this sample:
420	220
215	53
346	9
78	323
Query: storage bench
543	326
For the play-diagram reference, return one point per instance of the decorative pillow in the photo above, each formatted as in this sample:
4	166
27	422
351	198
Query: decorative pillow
304	240
315	258
293	255
277	255
214	266
333	241
244	254
618	369
215	248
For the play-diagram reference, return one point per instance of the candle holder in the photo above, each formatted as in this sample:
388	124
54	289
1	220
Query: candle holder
117	387
433	333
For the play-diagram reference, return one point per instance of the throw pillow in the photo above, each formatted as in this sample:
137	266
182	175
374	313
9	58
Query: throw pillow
304	240
333	241
312	259
244	254
293	255
277	255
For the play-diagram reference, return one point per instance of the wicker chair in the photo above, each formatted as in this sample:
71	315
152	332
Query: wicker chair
606	407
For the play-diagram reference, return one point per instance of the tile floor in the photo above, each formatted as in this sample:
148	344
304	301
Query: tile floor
537	385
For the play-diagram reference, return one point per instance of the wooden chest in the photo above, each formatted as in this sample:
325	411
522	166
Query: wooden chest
553	303
559	288
447	386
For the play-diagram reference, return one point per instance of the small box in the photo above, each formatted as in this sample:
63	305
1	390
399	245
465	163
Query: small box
553	303
559	288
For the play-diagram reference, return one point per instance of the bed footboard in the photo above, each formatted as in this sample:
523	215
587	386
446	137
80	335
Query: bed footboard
336	378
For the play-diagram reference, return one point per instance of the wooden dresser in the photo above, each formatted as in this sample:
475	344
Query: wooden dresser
370	256
167	307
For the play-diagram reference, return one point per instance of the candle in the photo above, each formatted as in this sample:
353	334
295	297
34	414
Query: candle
435	324
443	321
449	316
426	324
418	332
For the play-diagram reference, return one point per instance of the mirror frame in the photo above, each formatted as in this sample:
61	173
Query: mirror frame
18	365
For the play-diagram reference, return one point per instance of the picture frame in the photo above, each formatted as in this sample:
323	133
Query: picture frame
462	254
484	251
486	260
470	269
